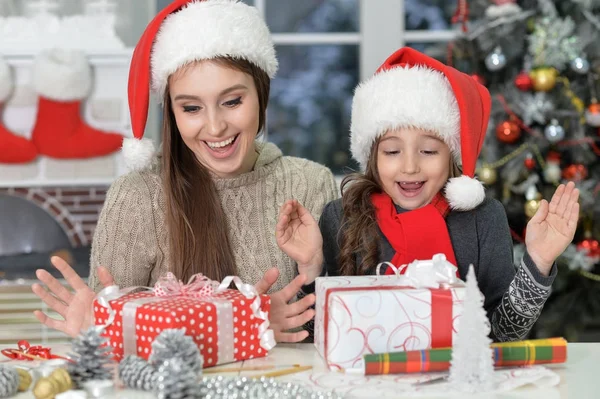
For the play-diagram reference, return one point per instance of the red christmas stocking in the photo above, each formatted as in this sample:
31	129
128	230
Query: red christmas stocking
13	149
63	79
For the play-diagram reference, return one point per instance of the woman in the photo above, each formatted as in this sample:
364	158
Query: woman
210	203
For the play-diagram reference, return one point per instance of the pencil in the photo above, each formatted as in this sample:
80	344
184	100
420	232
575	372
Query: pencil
279	373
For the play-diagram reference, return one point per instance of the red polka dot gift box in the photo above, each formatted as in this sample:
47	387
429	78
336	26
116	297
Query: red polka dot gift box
228	325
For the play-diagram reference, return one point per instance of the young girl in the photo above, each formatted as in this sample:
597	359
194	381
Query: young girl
412	123
210	203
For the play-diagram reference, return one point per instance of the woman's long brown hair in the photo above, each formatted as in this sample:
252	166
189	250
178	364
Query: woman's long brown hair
359	230
196	222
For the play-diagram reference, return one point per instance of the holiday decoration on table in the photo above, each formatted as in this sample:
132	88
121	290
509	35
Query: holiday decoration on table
419	309
472	362
175	344
137	373
547	126
57	382
243	387
172	375
226	325
26	351
175	380
506	354
9	381
91	357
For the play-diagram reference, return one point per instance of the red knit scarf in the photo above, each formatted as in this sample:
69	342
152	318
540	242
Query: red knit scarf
414	235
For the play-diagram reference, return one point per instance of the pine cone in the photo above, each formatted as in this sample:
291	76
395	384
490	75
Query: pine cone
9	381
91	358
136	373
176	381
174	344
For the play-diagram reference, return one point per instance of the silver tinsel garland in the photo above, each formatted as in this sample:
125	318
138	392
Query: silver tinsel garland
9	381
174	344
264	388
91	357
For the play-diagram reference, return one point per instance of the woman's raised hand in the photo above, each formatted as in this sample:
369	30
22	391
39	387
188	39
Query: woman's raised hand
75	307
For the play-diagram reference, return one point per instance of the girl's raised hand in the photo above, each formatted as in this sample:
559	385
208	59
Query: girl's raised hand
298	235
553	226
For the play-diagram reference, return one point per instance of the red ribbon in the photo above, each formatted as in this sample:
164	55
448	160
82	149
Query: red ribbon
441	318
25	348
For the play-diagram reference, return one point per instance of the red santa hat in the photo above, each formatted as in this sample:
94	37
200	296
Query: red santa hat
183	32
411	89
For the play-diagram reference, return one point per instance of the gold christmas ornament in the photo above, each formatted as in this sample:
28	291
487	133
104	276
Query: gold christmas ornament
24	380
487	175
63	378
531	207
57	382
46	388
544	78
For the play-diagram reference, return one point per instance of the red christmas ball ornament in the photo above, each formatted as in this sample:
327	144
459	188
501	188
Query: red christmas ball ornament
523	81
508	132
590	246
553	156
575	172
592	114
479	79
529	162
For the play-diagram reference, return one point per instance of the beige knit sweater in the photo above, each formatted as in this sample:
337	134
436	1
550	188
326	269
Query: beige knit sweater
131	235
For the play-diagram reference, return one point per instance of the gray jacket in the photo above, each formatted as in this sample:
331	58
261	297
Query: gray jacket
514	297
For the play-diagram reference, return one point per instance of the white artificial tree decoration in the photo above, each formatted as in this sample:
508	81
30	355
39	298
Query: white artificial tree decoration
472	364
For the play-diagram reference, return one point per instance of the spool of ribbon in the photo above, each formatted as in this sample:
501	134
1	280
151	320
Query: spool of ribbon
25	351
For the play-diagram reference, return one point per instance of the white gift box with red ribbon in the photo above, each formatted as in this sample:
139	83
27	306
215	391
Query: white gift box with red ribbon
227	325
358	315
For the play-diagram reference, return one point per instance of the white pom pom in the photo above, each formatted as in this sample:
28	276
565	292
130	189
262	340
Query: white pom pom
138	154
464	193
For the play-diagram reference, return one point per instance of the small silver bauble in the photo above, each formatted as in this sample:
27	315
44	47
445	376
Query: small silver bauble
496	60
580	65
554	132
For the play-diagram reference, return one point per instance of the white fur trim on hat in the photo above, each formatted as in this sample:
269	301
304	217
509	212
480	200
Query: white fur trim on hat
6	81
138	154
209	29
416	97
62	75
464	193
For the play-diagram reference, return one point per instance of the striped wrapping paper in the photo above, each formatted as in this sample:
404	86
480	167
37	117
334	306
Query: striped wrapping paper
506	354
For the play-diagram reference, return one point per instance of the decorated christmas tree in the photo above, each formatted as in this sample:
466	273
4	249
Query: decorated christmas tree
540	59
